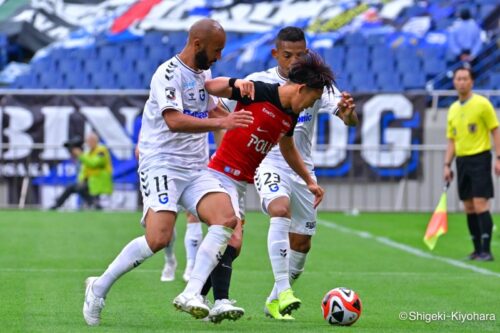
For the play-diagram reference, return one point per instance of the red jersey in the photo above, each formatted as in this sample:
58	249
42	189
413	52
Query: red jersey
242	149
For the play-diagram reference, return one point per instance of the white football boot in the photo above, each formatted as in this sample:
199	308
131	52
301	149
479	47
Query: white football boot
192	304
93	305
168	273
225	309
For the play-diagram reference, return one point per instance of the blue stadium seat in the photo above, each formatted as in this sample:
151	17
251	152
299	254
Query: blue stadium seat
355	38
363	82
159	53
121	65
129	80
356	64
405	52
357	52
434	66
109	52
68	65
413	80
153	38
26	81
95	66
76	81
389	82
381	51
494	81
334	57
102	80
381	64
343	83
145	67
133	51
177	39
376	39
408	64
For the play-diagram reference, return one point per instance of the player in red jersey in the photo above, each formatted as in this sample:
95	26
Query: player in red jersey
275	110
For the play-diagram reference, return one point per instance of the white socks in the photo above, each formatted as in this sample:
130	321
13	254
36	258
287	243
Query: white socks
210	252
192	241
278	246
169	249
132	255
297	263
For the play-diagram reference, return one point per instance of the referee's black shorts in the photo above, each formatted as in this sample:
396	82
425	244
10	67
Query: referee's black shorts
474	176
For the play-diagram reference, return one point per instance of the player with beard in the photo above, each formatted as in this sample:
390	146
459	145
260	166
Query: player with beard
173	155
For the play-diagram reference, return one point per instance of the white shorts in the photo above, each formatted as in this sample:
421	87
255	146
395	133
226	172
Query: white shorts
236	190
272	182
165	189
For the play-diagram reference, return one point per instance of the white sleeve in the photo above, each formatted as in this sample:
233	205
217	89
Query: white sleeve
329	101
167	92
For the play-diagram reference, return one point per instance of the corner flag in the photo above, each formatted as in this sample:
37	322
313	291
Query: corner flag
438	225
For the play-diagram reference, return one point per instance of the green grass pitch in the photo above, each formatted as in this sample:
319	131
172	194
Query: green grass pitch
46	256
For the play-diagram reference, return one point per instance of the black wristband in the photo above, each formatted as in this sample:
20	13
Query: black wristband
447	164
232	81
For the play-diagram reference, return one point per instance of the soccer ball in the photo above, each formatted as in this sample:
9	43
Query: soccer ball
341	306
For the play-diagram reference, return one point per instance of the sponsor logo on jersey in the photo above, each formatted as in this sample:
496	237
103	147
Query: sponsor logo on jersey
261	130
310	225
305	118
189	85
202	94
163	198
260	145
197	114
286	123
269	113
170	92
274	187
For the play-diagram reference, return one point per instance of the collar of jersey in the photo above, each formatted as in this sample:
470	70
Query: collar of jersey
279	75
183	64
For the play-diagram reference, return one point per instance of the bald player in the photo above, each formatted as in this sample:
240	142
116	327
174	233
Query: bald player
173	156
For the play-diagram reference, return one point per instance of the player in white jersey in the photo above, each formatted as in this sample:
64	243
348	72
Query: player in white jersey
284	196
172	168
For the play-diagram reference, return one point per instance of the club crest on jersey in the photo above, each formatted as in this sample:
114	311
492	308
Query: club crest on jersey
190	94
170	92
202	94
163	198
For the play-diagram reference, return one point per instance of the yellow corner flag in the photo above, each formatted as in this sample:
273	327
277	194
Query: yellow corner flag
438	225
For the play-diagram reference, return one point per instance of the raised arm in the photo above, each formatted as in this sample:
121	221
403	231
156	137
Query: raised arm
223	87
347	110
295	161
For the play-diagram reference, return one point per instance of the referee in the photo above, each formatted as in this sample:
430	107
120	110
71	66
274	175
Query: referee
470	120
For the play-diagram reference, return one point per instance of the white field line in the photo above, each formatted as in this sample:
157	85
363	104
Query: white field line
406	248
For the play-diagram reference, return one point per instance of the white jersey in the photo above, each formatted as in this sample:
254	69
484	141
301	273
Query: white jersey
175	86
303	133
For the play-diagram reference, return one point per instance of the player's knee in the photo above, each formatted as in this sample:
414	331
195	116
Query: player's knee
279	211
303	246
228	221
158	242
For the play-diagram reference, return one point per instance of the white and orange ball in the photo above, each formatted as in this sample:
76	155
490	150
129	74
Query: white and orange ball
341	306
